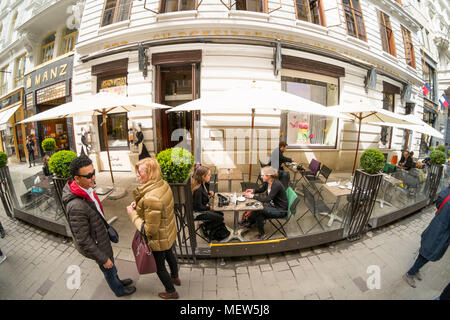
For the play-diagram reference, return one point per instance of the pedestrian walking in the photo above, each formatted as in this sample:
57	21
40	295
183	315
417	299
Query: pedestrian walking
153	205
2	256
30	148
435	238
86	219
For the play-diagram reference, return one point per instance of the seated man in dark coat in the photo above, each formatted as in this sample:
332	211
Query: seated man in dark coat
278	161
435	238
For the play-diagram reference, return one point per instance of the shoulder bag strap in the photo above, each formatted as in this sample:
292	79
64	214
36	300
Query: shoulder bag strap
101	216
442	204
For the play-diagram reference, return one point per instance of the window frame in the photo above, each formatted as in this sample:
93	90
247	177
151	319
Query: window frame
391	129
162	4
384	28
321	13
114	19
352	9
264	3
52	44
4	80
408	41
73	34
18	81
12	26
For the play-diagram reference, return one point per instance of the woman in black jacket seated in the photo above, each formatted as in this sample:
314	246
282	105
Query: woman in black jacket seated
276	202
201	193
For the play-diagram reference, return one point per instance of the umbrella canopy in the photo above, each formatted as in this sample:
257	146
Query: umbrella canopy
98	104
373	115
102	103
247	100
420	127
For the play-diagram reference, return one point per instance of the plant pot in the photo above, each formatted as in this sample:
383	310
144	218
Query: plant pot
184	215
58	184
362	200
433	180
8	194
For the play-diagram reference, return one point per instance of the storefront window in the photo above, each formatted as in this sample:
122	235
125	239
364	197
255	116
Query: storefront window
116	124
117	131
425	141
386	132
306	130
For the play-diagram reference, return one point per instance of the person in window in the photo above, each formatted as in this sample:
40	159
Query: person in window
405	155
278	161
200	193
45	168
409	162
30	148
276	202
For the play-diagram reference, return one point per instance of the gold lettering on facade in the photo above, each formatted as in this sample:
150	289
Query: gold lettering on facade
37	79
54	73
205	33
235	33
62	70
258	34
166	35
182	34
45	77
193	33
247	33
156	36
28	82
217	32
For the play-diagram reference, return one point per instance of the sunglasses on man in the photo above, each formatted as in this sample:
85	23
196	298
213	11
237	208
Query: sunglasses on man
87	176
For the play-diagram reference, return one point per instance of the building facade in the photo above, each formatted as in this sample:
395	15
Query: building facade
331	52
37	46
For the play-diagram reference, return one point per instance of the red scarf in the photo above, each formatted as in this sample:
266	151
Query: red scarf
76	190
442	204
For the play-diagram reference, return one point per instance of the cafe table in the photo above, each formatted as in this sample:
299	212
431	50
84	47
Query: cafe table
338	190
246	205
388	180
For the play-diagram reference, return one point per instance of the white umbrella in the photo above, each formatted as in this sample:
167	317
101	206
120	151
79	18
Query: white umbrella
251	99
370	114
420	127
102	103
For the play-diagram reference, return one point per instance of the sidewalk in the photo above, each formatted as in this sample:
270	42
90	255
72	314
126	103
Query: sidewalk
37	262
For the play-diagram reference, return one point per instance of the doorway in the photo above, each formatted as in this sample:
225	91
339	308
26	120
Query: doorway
176	85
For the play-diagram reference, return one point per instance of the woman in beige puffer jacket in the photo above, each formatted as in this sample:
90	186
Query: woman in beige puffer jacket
153	205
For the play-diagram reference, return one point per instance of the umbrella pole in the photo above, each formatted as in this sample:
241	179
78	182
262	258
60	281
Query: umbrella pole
357	144
251	146
107	147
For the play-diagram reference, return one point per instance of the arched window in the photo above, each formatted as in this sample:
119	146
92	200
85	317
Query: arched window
11	28
68	40
47	48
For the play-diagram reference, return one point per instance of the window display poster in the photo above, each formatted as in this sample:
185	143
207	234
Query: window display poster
59	128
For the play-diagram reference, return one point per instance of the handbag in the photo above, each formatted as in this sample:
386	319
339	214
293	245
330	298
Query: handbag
145	261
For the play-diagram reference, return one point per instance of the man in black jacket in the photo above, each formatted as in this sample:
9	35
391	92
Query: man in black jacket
278	161
86	220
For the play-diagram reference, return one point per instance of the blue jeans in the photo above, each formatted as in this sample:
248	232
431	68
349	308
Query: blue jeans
259	216
420	262
113	279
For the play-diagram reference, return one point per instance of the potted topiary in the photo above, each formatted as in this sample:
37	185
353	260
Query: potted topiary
437	159
176	167
59	164
49	146
5	178
365	186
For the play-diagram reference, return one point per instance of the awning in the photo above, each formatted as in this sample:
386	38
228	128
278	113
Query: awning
6	115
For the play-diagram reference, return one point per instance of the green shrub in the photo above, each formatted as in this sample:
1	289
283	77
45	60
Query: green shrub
431	149
59	163
441	148
49	144
437	157
3	159
176	164
372	161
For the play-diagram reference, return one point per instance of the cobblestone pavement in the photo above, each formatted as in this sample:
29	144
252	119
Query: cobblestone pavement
37	263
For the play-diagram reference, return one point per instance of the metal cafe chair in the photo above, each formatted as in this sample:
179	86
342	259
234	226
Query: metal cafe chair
315	206
293	201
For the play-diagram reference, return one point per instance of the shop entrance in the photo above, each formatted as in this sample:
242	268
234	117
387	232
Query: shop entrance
176	85
54	128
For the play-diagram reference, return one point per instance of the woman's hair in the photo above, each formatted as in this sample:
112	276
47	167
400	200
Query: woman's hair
46	159
152	167
197	178
269	171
